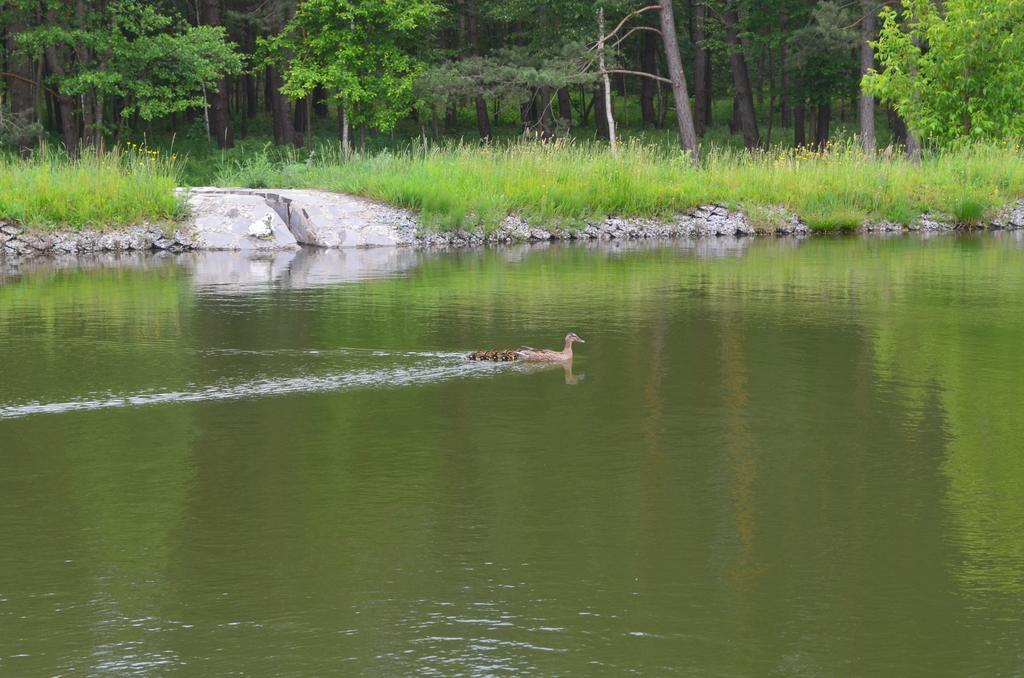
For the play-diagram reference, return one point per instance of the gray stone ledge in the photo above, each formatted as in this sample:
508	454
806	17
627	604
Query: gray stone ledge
243	219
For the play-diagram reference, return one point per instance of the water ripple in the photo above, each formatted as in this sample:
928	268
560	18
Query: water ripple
450	366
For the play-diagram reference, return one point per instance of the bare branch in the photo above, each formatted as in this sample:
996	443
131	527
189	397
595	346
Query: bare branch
633	30
5	74
606	37
623	71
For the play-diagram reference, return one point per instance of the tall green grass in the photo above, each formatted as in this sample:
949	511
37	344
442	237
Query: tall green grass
124	186
459	185
564	184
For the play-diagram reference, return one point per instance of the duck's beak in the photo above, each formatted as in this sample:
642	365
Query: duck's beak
580	340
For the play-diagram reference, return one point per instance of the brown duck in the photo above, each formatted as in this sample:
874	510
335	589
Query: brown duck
530	354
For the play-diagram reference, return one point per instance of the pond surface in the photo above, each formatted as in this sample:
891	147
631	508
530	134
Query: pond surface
769	458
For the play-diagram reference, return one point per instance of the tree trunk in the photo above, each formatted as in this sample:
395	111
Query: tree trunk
620	85
21	91
787	109
913	147
648	64
565	108
526	111
701	68
867	62
586	105
268	90
66	115
249	80
606	94
451	116
898	127
741	80
280	106
280	109
544	108
913	143
307	128
709	88
251	96
217	99
771	95
65	104
684	118
799	130
821	131
97	118
86	101
759	76
600	117
298	122
483	122
343	131
52	117
320	103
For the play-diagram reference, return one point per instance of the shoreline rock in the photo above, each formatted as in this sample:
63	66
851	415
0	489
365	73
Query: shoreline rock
223	219
25	242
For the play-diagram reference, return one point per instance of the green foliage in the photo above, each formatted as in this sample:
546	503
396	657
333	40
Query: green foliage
361	51
821	50
154	63
513	73
542	44
543	25
18	130
953	71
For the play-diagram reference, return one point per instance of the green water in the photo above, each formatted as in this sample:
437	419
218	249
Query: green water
769	458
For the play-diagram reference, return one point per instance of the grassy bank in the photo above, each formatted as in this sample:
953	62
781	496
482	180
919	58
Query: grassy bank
125	186
464	185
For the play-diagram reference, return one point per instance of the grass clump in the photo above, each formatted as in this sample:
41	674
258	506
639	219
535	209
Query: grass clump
564	183
124	186
969	210
568	183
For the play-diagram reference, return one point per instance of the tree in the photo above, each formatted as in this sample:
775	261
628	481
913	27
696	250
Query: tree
217	98
740	77
701	68
133	60
280	108
21	88
606	90
648	86
869	25
684	117
953	70
483	122
361	51
82	69
823	68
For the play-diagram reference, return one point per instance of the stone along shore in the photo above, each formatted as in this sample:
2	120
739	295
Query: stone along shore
270	219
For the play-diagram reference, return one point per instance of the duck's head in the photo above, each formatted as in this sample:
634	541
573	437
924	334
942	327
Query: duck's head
573	337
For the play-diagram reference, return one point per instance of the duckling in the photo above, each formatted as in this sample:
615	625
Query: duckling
495	355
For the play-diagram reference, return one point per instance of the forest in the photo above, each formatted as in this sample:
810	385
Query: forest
356	94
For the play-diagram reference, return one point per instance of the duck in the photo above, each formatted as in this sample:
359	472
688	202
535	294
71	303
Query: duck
530	354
